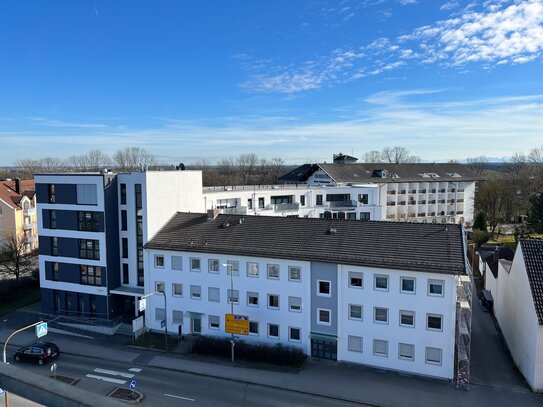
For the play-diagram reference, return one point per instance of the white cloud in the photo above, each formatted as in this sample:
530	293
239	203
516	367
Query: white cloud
406	2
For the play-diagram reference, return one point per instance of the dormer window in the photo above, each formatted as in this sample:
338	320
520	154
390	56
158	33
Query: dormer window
425	175
454	175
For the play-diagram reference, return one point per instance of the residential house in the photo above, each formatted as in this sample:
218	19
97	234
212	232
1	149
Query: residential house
18	212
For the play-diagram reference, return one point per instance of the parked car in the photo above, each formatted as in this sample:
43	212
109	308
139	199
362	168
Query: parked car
40	352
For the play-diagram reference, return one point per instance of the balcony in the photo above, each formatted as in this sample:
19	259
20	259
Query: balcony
342	204
422	191
29	212
391	203
412	202
235	210
401	203
413	191
391	192
422	215
432	202
391	216
29	226
402	192
294	206
422	202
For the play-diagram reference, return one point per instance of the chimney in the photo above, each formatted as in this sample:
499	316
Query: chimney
18	185
212	213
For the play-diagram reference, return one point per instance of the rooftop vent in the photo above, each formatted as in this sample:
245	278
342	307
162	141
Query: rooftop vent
332	231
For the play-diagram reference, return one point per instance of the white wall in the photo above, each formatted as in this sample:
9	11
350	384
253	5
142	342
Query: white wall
420	302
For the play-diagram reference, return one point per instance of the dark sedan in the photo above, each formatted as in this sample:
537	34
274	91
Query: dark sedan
38	352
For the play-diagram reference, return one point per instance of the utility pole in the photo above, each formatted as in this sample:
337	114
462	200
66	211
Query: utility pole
229	270
165	316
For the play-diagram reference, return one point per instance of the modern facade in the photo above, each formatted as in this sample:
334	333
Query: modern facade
18	213
382	294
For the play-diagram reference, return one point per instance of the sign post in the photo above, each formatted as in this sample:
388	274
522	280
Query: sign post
133	387
41	329
39	332
237	324
54	371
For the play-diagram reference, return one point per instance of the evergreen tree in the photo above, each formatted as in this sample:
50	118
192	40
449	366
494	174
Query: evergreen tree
480	222
535	218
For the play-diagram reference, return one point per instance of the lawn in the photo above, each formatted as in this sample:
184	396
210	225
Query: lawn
510	241
30	296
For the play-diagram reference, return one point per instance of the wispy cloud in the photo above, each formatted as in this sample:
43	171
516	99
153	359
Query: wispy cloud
501	32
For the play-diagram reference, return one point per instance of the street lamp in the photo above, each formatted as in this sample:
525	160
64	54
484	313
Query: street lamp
229	270
165	315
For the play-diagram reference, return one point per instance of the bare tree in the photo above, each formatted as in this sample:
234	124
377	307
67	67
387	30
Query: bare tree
536	155
263	171
246	165
15	258
477	164
372	156
131	158
276	165
27	167
495	198
227	171
393	155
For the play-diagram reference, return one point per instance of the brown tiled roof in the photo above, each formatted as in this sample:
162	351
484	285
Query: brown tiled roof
12	198
395	245
532	251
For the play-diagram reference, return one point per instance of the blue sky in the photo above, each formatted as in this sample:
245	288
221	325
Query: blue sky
292	79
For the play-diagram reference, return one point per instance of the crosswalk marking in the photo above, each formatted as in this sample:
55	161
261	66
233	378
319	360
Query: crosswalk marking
134	369
106	379
114	373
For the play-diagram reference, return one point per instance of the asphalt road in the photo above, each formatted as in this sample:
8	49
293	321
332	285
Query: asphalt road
163	387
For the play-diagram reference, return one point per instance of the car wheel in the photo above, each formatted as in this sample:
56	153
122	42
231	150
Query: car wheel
17	358
40	362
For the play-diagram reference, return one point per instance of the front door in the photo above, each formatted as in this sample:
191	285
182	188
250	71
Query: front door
324	349
195	326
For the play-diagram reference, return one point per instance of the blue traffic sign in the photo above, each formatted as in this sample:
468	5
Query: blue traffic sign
163	323
132	385
41	329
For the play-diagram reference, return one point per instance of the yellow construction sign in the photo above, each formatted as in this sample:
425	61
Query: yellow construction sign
237	324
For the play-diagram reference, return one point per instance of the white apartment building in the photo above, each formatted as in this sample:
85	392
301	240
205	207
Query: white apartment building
382	294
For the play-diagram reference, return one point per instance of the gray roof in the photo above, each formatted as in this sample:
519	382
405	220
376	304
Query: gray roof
395	245
532	251
405	172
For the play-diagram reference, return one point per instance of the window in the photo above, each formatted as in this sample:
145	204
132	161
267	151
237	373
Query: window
380	315
51	195
253	327
159	260
273	301
159	286
406	351
294	334
407	318
273	271
260	203
380	347
324	316
177	263
125	273
294	273
232	267
252	299
123	194
252	269
273	331
249	203
89	249
363	199
355	279
86	194
433	356
52	219
124	220
214	322
125	247
195	292
177	317
354	343
381	282
302	200
213	266
407	285
364	216
295	304
233	296
319	199
435	288
177	290
355	312
56	272
54	246
91	275
214	294
323	288
194	264
160	314
434	322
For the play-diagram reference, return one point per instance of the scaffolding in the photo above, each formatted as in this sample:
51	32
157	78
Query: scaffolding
463	329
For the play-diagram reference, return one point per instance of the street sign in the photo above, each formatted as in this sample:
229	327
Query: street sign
1	392
163	323
41	329
237	324
142	304
132	385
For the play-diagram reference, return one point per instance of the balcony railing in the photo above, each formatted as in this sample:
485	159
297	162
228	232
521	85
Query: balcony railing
422	214
412	202
294	206
422	191
236	210
28	226
343	204
391	192
401	203
29	212
422	202
391	203
402	192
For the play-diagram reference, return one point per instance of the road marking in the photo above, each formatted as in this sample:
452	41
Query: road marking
179	397
106	379
134	369
114	373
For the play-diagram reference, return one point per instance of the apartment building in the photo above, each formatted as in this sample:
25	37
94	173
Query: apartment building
382	294
18	212
92	228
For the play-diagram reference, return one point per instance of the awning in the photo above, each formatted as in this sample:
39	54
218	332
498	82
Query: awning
129	291
194	315
322	337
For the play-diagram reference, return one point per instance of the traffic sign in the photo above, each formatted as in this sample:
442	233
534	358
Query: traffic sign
1	392
163	323
237	324
41	329
142	304
132	385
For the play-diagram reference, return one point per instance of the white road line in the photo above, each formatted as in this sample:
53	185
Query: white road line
106	379
114	373
134	369
178	397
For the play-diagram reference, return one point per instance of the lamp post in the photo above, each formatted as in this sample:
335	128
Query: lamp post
229	270
165	315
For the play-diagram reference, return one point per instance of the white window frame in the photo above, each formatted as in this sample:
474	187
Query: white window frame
278	301
319	293
278	331
157	258
218	323
232	267
319	321
192	292
434	316
433	362
375	353
192	268
406	346
406	312
290	304
250	265
375	315
162	283
213	261
290	269
230	294
361	312
436	282
271	267
290	338
257	333
174	264
253	294
173	290
358	339
414	285
375	277
214	297
356	274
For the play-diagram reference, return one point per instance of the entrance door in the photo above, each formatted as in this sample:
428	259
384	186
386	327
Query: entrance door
324	349
195	326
